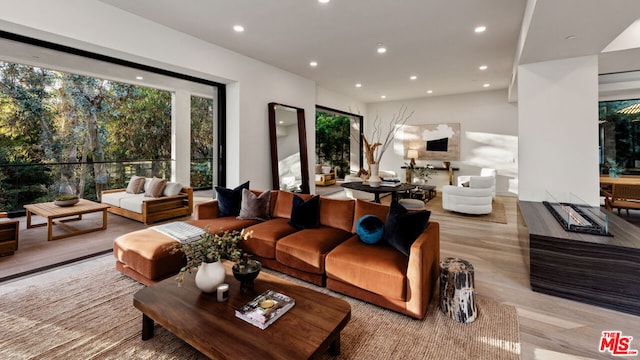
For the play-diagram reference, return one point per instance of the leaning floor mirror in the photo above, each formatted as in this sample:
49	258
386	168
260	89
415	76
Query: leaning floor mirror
289	164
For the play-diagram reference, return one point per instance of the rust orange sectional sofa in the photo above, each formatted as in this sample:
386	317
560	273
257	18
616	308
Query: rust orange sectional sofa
330	255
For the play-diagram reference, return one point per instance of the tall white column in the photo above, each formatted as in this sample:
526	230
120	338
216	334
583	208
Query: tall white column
181	137
558	129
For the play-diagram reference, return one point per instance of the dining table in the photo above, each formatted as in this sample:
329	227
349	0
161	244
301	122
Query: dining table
606	180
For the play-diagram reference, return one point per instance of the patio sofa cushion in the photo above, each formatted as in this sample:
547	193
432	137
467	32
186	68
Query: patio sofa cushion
136	184
114	198
133	203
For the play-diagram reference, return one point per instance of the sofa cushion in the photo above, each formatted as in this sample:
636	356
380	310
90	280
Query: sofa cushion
265	235
156	187
136	184
229	200
305	214
255	207
403	227
305	250
377	268
222	224
133	203
114	198
363	208
370	229
172	189
337	213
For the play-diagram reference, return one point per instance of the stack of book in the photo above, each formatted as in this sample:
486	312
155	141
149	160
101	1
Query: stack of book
265	308
390	182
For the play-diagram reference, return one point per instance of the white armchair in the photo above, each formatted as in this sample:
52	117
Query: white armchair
483	172
476	199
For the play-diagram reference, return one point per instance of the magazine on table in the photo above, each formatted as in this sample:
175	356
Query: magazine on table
265	308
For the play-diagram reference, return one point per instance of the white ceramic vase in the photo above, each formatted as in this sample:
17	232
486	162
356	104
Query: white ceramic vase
209	276
374	179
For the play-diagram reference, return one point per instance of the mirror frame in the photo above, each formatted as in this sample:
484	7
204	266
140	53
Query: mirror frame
302	143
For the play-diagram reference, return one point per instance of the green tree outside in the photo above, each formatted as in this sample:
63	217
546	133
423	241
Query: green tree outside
333	141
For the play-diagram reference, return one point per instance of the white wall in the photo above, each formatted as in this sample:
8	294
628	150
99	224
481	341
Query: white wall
558	127
489	134
94	26
334	100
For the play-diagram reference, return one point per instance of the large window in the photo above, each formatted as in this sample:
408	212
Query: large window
83	130
338	140
620	135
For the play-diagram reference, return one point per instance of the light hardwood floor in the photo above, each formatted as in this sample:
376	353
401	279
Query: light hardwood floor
550	327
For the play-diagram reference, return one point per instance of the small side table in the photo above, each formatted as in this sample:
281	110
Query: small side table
457	294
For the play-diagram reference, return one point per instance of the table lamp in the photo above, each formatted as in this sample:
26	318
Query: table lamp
412	154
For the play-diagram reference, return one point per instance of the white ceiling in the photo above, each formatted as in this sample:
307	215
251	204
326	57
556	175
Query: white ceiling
432	39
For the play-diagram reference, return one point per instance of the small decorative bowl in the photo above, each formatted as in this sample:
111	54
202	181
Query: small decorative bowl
65	203
246	273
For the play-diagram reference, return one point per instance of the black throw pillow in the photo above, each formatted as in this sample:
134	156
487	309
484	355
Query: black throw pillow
230	200
403	227
305	214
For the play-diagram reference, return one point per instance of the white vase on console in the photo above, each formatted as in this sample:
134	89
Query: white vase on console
374	179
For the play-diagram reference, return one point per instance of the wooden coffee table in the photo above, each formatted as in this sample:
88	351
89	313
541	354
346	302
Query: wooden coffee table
306	331
52	213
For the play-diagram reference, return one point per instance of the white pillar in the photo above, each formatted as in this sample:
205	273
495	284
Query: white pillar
181	137
558	129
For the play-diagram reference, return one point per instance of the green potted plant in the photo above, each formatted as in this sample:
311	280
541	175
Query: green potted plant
66	200
205	255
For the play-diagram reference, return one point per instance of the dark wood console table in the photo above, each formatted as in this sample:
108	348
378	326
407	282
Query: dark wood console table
598	270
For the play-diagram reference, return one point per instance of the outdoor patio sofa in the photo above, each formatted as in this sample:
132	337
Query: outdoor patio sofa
173	201
331	254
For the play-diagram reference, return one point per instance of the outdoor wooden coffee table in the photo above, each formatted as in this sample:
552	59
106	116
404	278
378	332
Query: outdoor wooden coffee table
58	215
306	331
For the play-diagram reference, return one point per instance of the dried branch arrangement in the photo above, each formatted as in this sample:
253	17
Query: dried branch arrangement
374	150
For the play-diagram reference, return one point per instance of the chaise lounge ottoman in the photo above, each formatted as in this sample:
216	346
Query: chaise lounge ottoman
144	255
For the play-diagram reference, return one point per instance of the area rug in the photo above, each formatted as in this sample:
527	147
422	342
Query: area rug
85	311
497	215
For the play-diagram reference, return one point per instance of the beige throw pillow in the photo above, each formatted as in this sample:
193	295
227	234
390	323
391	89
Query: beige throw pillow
155	187
135	185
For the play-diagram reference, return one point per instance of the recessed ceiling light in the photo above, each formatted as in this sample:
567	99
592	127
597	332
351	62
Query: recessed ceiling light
313	64
486	85
139	78
413	77
483	67
358	85
429	91
323	1
281	122
381	48
570	37
238	28
480	29
383	97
